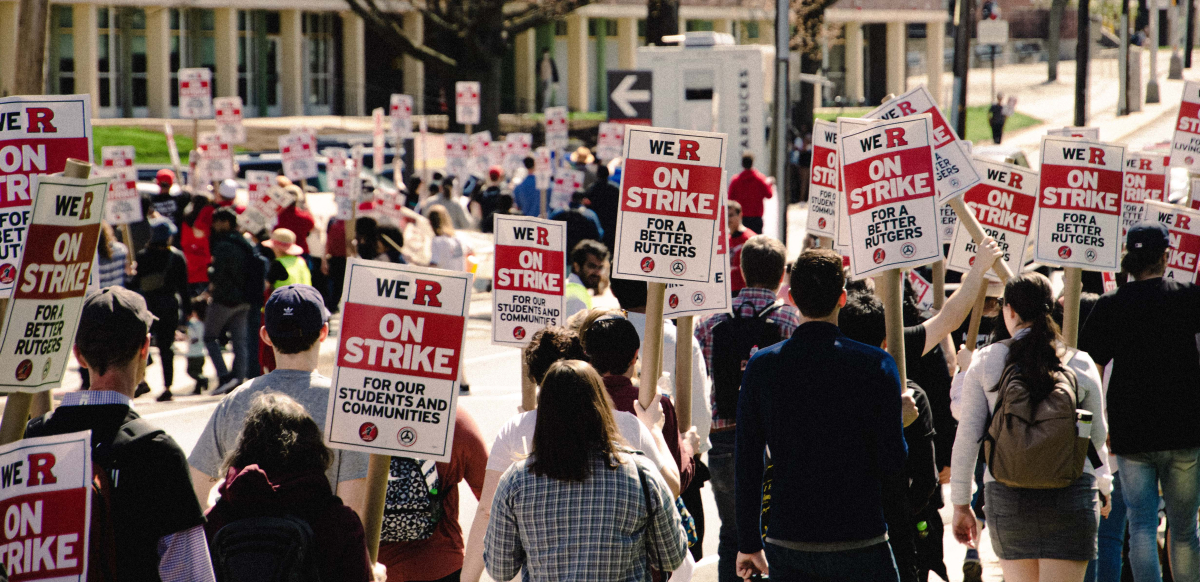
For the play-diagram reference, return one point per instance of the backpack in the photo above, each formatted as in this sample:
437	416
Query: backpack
1035	446
733	342
256	276
413	505
266	548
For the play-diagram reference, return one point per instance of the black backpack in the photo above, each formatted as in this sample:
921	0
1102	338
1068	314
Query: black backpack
276	548
256	276
413	506
733	342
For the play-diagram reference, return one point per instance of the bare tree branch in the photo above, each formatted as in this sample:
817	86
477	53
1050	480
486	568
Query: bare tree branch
809	18
392	33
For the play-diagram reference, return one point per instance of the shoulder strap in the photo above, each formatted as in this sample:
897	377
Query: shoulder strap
768	310
649	514
135	430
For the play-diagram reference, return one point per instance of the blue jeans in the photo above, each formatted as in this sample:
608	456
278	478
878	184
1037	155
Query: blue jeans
1111	540
1178	471
721	471
869	564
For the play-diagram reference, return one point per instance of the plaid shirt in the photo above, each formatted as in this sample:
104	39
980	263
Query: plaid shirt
749	301
595	530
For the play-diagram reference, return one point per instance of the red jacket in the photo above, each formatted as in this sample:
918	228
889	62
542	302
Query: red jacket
194	242
750	188
624	393
298	221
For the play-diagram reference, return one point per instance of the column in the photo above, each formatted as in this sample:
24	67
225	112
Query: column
291	61
158	60
414	70
8	48
226	44
601	72
577	62
87	51
896	36
854	62
935	42
354	65
627	42
525	70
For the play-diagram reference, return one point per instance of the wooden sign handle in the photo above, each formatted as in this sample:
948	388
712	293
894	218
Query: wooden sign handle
1072	287
972	337
378	468
890	286
683	372
652	344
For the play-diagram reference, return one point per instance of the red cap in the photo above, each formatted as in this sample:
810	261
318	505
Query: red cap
495	172
165	175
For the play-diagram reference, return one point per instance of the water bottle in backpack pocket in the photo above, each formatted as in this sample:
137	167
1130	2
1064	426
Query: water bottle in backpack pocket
413	507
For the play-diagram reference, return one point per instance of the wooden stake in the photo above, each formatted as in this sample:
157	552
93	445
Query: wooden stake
890	286
939	285
683	372
127	238
528	388
378	468
652	343
972	338
967	219
1072	287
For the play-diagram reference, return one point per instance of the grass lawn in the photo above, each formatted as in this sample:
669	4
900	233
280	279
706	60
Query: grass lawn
978	130
151	146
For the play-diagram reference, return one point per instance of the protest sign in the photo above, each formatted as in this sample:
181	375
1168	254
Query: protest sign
670	196
478	145
37	137
1146	178
888	177
516	147
566	184
610	141
947	221
401	109
378	140
823	181
229	119
457	145
173	150
954	173
1185	147
1088	133
556	128
696	299
39	325
46	498
395	385
846	125
922	289
1004	203
466	102
124	203
195	93
298	153
543	169
530	275
266	201
216	158
1079	204
1183	224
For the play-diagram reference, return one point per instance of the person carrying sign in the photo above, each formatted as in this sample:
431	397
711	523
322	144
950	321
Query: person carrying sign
1147	329
157	527
162	279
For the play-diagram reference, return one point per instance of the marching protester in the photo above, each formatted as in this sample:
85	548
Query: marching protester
288	266
333	264
447	250
446	197
1042	479
170	199
1146	329
578	473
113	266
749	189
276	474
194	240
738	235
162	280
588	261
582	223
603	199
829	409
154	524
236	281
526	194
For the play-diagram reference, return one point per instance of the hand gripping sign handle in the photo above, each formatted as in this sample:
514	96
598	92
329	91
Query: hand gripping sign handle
19	405
652	344
378	468
683	372
968	220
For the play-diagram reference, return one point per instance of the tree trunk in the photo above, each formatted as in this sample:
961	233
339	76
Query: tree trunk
662	20
484	68
802	111
1057	7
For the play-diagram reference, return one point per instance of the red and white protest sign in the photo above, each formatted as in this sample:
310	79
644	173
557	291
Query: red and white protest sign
298	152
1146	178
1185	147
216	157
339	173
888	177
1079	204
954	173
530	278
611	140
172	149
516	147
395	385
39	325
846	125
1183	224
457	145
556	128
947	223
400	111
922	289
37	136
124	204
378	140
229	119
566	184
543	170
1088	133
823	180
266	201
46	498
1004	203
479	145
466	102
698	299
667	221
195	93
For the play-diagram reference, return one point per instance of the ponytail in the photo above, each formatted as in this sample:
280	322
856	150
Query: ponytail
1035	354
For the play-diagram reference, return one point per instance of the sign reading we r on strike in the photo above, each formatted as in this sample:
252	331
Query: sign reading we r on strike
1079	204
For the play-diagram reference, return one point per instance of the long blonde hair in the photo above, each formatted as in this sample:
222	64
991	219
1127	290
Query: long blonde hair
439	220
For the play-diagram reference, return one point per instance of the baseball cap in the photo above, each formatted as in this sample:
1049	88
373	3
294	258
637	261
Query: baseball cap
295	311
165	175
495	172
113	314
161	230
1148	236
229	189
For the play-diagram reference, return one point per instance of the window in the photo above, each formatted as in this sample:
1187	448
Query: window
318	30
699	25
560	28
61	66
751	29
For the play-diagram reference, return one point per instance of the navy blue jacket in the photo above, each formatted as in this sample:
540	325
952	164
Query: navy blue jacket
829	409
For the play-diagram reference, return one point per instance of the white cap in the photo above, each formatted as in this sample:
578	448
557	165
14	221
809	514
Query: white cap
229	189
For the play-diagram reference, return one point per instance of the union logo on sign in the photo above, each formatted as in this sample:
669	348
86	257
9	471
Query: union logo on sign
8	273
1064	252
1090	255
698	298
407	436
678	267
368	431
647	264
878	256
673	301
907	250
519	332
821	222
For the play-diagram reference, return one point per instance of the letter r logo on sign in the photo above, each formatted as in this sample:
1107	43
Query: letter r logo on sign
895	137
689	150
543	236
906	108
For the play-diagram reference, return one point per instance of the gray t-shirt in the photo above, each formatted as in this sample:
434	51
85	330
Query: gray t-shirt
310	389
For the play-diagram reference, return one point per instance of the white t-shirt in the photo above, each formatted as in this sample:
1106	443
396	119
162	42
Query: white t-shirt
515	439
448	252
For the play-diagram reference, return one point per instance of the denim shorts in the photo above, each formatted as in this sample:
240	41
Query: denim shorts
1044	524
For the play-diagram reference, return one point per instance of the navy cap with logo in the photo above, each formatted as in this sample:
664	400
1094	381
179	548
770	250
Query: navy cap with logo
295	311
1148	236
113	313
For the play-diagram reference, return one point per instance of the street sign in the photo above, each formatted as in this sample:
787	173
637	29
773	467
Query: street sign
993	32
1185	147
671	190
696	299
1183	225
630	100
43	314
229	119
124	203
1004	203
556	128
466	102
1079	204
530	275
823	181
888	177
1146	176
298	154
401	110
195	93
395	383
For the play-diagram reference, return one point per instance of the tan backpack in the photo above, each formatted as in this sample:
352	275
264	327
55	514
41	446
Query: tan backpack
1035	446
